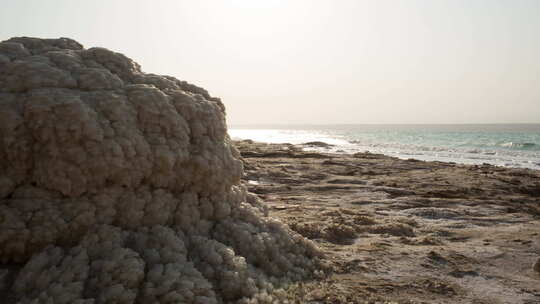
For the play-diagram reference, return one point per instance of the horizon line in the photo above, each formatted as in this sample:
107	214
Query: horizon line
348	124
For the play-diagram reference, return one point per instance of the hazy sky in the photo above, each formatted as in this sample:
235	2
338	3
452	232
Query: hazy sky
309	61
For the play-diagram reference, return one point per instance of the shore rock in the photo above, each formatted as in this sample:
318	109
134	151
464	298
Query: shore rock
536	266
118	186
318	144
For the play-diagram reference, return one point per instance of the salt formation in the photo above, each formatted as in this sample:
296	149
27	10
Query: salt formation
118	186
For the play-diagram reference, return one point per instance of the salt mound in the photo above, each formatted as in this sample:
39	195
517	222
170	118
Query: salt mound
118	186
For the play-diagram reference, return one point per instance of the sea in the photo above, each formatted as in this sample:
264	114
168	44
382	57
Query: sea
508	145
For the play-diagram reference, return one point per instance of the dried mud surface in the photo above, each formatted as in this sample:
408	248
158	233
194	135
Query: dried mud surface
405	231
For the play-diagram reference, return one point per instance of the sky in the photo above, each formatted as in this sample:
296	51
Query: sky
320	61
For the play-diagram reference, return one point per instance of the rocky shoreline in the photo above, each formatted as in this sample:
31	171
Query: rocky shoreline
118	186
405	231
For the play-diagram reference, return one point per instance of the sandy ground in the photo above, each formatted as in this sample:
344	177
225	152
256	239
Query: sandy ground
405	231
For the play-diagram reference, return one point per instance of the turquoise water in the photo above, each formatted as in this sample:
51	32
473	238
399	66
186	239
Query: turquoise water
503	145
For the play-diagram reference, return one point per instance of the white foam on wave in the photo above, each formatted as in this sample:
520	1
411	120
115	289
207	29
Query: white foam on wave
517	145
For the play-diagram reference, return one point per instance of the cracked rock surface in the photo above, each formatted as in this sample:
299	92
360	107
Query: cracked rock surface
118	186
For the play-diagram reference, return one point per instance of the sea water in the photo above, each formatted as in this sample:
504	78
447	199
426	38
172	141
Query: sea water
513	145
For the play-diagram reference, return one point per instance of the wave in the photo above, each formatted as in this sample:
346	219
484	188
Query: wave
521	155
474	148
518	145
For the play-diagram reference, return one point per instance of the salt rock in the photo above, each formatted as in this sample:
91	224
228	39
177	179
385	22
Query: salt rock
118	186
